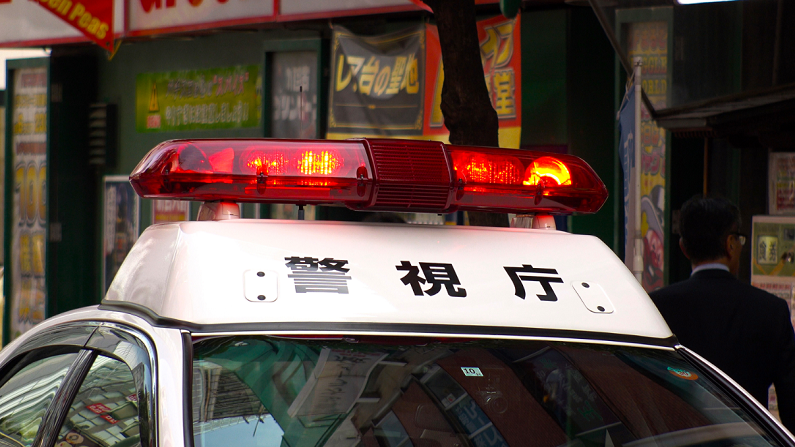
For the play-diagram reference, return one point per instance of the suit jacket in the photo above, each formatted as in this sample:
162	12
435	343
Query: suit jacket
744	331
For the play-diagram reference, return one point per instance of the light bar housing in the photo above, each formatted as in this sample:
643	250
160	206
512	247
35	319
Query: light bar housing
370	174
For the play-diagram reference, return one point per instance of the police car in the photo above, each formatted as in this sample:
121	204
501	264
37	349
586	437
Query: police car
243	332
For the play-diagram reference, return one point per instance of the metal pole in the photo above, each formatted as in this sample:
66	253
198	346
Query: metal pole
637	261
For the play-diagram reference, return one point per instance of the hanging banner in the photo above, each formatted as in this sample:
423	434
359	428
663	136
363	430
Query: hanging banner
93	18
376	84
375	91
501	53
29	211
220	98
649	41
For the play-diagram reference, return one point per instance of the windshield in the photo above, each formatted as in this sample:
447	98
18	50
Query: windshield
394	392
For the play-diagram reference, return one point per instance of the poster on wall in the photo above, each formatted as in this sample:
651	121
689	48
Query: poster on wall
781	180
120	226
295	95
29	211
391	85
164	211
649	41
219	98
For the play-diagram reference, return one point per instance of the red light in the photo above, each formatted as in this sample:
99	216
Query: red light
255	161
487	168
266	171
547	171
321	162
520	181
222	160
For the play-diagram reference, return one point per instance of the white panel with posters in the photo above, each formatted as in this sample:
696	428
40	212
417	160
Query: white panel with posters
28	158
773	263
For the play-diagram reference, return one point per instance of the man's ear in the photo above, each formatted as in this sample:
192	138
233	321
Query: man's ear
682	247
730	241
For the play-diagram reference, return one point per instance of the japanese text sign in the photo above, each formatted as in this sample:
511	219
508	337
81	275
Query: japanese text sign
220	98
295	95
376	82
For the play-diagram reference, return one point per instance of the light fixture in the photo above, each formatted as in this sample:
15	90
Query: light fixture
693	2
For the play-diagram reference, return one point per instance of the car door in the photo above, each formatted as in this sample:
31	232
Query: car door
79	385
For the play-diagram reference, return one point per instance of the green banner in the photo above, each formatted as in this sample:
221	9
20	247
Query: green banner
219	98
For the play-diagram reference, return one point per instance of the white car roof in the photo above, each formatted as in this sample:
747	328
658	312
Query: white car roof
244	273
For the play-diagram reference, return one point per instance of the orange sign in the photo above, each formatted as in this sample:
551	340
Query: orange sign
500	52
93	18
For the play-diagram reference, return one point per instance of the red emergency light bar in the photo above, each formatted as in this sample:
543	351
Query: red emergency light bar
370	174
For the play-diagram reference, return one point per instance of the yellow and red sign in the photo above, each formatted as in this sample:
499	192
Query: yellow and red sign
500	52
93	18
649	41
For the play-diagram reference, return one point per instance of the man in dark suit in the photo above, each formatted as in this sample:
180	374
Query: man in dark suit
744	331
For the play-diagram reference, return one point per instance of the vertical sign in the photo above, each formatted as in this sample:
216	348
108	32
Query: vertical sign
29	211
649	41
295	95
501	53
120	228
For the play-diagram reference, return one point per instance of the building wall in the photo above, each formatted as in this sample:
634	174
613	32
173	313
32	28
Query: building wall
567	100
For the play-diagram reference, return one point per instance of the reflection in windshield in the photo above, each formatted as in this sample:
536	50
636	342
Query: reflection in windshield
260	391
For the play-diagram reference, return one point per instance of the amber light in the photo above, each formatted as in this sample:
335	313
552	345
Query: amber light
479	168
321	162
258	161
547	171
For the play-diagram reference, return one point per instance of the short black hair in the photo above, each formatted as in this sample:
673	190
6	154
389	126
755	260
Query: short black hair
704	224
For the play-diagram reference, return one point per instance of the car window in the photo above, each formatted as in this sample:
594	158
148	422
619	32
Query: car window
259	391
24	398
104	411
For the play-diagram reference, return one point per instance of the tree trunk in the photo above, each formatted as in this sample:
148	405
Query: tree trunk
466	105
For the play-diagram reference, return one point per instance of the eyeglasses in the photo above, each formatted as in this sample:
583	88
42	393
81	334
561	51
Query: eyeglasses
740	237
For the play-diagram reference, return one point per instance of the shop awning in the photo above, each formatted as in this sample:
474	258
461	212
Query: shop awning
768	115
